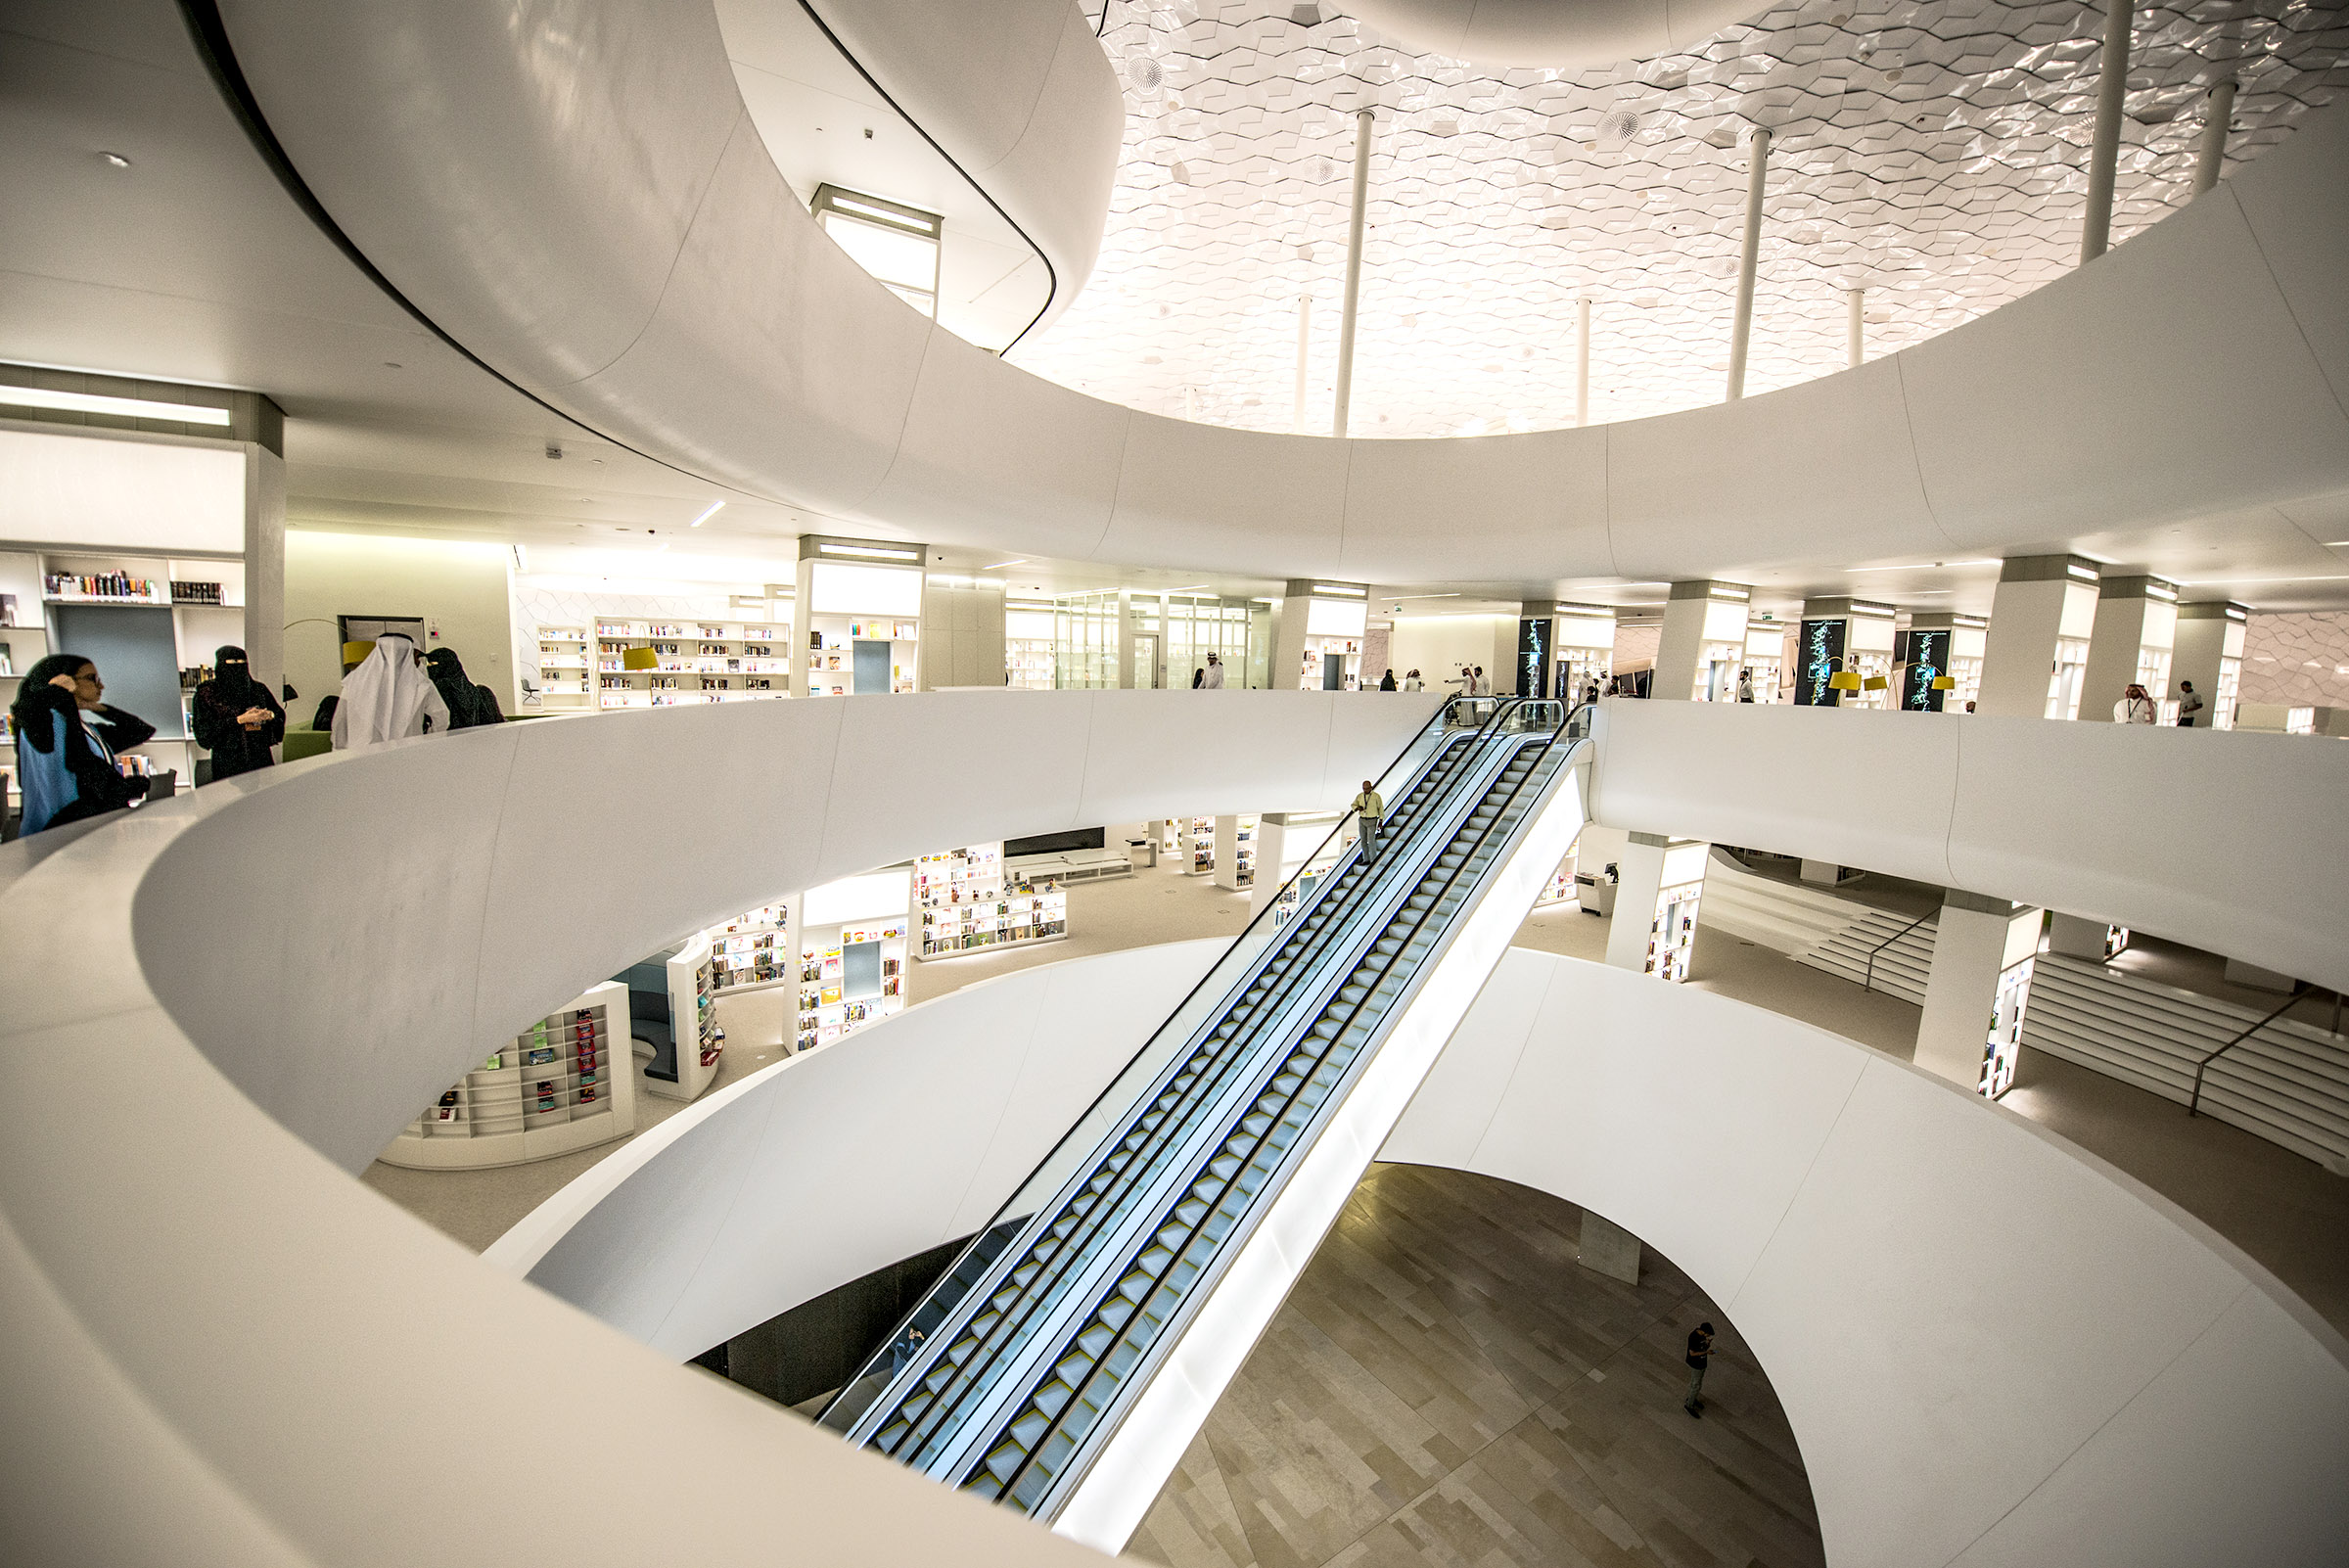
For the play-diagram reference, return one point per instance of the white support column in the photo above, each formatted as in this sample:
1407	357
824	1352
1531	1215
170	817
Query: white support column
1354	271
2209	652
265	576
1656	899
1976	992
2043	613
2135	630
1853	329
1756	172
1124	640
2104	151
1699	619
1582	363
1305	342
794	922
1272	849
2217	110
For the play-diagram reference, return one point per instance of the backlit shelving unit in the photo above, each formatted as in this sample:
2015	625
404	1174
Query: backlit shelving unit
694	662
968	903
565	1084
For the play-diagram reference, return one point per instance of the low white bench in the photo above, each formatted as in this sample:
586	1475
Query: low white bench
1070	866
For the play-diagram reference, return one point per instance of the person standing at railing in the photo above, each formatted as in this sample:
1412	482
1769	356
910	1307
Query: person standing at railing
1372	810
2135	707
1214	675
2190	702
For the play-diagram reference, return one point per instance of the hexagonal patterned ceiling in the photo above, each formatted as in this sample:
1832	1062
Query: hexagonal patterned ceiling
1932	153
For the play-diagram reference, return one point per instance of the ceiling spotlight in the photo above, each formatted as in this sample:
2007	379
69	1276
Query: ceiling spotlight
113	160
554	451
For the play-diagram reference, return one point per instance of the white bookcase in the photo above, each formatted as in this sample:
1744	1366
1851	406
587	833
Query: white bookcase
696	662
969	904
832	641
566	669
692	1022
566	1083
751	951
852	942
1234	852
1195	843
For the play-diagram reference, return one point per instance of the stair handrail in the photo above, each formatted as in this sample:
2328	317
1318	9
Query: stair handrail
2194	1103
1869	981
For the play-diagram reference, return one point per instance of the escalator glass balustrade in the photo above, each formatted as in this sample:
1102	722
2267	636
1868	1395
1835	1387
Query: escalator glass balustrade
1010	1374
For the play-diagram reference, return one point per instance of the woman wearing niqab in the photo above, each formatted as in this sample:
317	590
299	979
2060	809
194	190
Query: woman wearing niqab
388	697
469	706
236	718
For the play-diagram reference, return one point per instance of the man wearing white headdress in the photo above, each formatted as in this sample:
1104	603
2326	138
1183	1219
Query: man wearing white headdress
389	697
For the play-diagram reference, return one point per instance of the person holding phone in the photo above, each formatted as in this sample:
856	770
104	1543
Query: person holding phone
236	718
67	740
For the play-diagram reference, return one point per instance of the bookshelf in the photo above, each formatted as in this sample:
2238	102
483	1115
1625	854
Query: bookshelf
1027	662
696	662
1195	845
692	1021
566	1083
969	904
852	942
1234	852
836	644
1312	672
1560	888
566	678
150	620
751	951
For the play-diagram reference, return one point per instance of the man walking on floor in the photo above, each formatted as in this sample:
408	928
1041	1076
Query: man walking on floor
1701	1351
1370	808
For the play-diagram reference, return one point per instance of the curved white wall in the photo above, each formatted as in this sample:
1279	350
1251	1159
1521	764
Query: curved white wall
583	204
825	1166
2224	840
1993	1347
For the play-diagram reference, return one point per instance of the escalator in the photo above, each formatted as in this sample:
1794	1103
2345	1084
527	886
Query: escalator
1013	1373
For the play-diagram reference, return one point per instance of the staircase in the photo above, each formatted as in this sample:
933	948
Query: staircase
1899	946
2287	1083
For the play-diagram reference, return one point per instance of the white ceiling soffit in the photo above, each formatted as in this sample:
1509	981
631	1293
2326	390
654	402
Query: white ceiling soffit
1933	154
1005	119
1547	35
626	250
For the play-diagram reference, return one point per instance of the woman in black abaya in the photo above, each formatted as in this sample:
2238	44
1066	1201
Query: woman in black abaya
236	718
469	706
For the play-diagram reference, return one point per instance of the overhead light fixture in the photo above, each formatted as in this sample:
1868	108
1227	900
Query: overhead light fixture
1196	587
1341	592
2216	582
1403	596
2336	544
870	552
72	403
113	160
2083	574
1924	565
1020	561
712	511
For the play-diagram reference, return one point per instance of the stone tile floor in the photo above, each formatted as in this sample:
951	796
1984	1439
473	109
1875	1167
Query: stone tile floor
1446	1385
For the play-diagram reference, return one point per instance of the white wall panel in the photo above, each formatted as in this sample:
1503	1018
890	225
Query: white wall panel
1522	495
2303	232
1273	504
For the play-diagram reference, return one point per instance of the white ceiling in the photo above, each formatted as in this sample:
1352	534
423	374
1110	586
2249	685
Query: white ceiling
1933	154
193	264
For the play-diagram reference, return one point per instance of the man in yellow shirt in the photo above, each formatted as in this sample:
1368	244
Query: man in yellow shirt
1370	808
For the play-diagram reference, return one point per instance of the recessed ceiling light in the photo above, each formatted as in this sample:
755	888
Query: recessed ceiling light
113	160
74	402
709	512
1021	561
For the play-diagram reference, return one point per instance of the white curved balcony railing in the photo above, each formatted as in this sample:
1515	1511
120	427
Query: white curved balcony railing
2072	1370
2223	840
582	202
217	1008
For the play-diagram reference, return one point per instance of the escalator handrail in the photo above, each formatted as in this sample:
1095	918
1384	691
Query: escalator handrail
1334	886
1034	1447
1456	759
